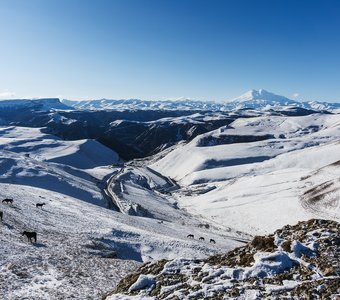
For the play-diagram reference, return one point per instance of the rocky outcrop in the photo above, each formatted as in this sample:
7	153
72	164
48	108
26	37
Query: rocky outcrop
296	262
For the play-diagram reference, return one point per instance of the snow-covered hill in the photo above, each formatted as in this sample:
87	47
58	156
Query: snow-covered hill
83	249
255	170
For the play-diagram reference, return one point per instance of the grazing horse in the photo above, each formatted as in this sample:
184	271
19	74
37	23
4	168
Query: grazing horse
201	238
1	215
40	205
7	201
190	236
30	235
212	241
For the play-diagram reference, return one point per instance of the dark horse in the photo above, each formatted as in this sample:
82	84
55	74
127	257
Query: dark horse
40	205
190	236
212	241
30	235
1	215
201	238
7	201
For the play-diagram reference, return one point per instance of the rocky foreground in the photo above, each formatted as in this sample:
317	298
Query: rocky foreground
296	262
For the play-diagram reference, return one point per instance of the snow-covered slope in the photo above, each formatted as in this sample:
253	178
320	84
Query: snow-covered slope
30	157
253	176
83	154
244	142
296	262
83	249
253	170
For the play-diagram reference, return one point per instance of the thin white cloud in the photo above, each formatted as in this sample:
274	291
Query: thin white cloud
5	94
296	95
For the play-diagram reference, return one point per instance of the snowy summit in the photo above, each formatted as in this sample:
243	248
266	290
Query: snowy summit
262	98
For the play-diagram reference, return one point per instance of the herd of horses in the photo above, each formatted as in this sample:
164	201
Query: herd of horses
31	235
191	236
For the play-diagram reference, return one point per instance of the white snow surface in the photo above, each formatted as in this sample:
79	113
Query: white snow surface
83	249
144	281
256	186
253	176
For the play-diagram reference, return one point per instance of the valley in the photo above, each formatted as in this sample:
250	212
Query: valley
142	158
81	243
122	188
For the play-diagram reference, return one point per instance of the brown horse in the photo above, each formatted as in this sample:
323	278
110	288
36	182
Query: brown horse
30	235
190	236
1	215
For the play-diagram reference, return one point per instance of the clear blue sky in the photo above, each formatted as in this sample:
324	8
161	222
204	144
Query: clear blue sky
159	49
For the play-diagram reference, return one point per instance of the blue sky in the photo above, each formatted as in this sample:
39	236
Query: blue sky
147	49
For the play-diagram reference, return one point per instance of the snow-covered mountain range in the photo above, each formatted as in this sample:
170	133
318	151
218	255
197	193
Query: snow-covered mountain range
223	176
43	104
253	99
137	128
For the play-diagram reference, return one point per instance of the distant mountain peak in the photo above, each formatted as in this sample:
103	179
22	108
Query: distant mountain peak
258	99
260	94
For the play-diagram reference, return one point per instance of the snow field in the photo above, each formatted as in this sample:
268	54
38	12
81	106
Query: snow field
82	248
257	187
